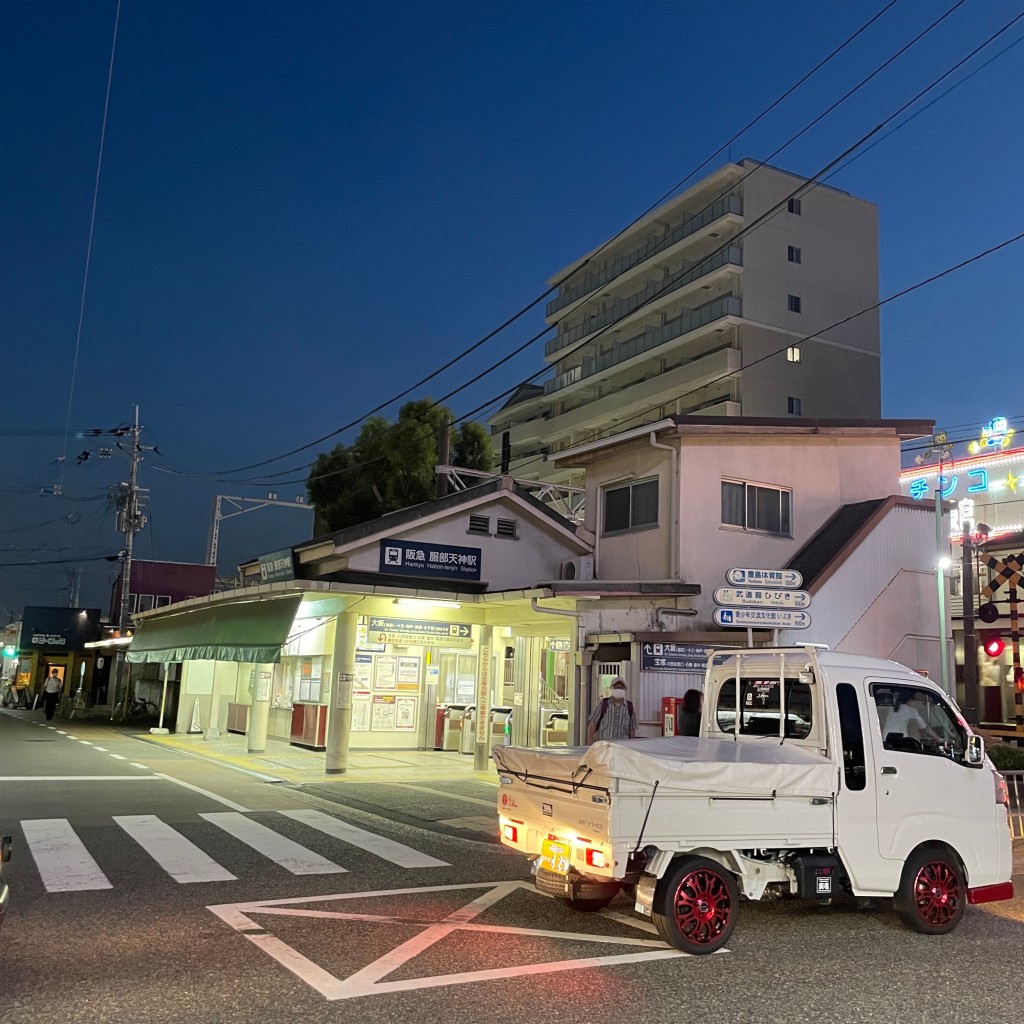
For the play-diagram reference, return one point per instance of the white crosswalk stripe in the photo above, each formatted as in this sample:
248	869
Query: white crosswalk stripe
178	856
398	853
64	863
289	854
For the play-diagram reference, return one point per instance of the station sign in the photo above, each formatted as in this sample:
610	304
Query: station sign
757	597
788	578
674	657
441	561
419	632
762	618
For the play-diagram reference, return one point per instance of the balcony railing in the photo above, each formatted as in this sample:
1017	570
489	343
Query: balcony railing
653	245
690	320
618	310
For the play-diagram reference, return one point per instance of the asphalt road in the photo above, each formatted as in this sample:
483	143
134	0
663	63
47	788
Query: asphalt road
401	914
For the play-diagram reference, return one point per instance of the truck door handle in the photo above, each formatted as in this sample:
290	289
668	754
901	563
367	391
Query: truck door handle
888	770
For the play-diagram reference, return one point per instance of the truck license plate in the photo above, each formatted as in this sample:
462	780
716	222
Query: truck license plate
555	856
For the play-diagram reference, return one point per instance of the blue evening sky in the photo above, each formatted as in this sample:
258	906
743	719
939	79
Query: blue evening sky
305	208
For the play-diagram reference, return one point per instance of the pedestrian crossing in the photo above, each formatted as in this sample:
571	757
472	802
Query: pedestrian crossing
65	864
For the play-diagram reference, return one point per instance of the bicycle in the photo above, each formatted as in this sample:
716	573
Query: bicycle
135	708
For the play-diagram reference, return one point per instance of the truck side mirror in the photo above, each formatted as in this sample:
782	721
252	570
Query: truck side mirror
975	751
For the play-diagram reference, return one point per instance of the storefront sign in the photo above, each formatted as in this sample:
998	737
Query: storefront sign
65	629
674	657
419	632
444	561
277	565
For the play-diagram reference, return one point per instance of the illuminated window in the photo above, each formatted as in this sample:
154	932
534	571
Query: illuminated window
793	354
794	303
756	508
631	507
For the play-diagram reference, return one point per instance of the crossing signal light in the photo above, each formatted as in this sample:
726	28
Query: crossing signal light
992	643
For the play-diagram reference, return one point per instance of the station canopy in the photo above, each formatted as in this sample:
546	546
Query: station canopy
240	631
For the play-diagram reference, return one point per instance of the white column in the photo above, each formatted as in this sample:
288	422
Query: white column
339	721
482	749
259	711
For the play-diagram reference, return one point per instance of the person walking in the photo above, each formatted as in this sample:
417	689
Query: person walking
614	718
52	689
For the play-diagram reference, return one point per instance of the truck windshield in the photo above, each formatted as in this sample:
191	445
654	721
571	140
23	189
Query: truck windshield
918	721
760	708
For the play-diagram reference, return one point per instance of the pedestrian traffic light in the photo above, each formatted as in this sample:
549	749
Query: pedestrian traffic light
992	643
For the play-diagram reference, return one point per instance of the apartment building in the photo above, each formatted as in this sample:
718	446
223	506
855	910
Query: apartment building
701	308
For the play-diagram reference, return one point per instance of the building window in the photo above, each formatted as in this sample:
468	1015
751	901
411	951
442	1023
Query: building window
794	206
162	600
793	406
756	508
793	353
479	524
794	254
631	507
145	602
506	528
794	303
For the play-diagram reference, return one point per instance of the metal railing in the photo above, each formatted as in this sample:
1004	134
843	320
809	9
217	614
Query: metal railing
652	337
651	247
653	289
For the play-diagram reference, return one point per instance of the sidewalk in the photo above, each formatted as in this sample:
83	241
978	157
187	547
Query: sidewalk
281	762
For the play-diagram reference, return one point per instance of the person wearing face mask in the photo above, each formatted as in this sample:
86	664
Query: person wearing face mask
614	718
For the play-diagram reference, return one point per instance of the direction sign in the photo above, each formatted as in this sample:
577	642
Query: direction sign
763	618
764	578
748	597
674	657
419	632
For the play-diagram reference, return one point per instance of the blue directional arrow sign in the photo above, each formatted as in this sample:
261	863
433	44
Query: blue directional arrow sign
762	618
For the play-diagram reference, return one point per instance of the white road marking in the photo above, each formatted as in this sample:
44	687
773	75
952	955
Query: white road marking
197	789
64	863
290	855
104	749
86	742
178	856
387	849
135	764
60	731
120	757
369	979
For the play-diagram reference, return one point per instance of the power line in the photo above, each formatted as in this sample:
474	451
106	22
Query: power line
508	322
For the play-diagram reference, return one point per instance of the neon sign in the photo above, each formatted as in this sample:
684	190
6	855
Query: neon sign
996	434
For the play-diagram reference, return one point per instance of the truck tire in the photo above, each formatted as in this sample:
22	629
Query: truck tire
695	905
932	896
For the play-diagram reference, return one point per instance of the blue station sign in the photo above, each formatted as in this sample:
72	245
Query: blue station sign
673	657
440	561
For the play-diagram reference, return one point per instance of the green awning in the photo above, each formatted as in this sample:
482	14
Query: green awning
246	631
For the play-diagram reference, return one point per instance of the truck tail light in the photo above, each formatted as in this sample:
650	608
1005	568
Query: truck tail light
596	858
1002	793
510	832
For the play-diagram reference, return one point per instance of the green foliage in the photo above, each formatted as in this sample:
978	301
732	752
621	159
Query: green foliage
391	466
1005	757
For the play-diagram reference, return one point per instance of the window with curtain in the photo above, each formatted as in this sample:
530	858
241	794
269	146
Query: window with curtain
757	508
631	506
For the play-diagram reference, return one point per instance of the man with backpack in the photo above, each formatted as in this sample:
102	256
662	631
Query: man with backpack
614	718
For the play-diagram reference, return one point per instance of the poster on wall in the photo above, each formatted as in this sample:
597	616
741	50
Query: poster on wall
383	714
360	710
364	670
408	674
385	673
405	713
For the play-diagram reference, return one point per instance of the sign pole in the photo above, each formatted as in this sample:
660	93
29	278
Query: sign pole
1018	693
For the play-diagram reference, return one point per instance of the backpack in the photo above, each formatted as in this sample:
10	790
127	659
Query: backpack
604	708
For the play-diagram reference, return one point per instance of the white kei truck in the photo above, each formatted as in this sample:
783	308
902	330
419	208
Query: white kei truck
816	774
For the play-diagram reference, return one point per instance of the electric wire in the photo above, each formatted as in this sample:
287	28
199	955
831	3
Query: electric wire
593	255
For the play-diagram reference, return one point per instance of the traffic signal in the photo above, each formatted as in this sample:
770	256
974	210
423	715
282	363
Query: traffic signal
10	651
992	642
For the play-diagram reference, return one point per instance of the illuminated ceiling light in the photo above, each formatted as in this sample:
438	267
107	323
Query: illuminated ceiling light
422	602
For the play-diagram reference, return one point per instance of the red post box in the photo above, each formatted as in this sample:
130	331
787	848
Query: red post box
669	707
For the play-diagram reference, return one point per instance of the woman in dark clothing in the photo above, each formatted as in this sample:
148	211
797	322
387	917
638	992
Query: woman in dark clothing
689	716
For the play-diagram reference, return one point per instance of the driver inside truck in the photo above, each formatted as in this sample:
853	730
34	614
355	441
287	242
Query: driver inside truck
902	716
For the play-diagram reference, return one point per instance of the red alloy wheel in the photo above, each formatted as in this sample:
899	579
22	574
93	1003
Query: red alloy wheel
937	893
703	906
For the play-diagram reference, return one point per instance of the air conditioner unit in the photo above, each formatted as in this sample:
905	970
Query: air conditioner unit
581	568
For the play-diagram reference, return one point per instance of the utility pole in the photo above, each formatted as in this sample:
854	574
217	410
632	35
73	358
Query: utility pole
74	588
130	521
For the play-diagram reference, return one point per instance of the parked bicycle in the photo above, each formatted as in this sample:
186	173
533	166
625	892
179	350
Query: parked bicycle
135	709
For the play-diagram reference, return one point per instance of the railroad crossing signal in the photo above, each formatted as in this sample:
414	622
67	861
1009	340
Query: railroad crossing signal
1007	570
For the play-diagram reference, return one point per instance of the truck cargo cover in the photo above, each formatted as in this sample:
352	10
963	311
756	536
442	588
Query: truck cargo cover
684	764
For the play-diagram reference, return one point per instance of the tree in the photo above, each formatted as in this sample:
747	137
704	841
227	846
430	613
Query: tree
390	466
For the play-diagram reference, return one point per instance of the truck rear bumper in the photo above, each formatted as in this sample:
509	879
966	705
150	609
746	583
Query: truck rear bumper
990	893
573	886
